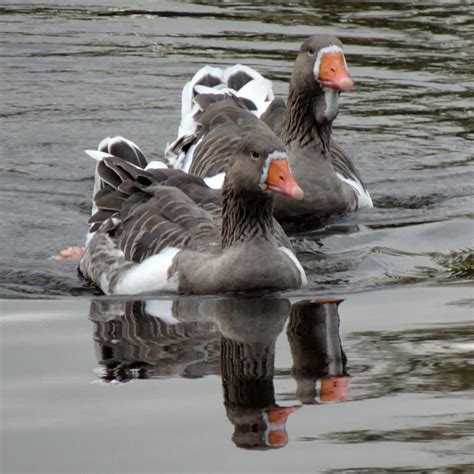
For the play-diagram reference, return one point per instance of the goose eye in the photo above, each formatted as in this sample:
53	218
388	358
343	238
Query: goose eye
310	51
255	155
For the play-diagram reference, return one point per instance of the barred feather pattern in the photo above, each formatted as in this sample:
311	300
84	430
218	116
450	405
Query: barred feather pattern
247	374
212	155
103	262
132	344
137	219
246	216
300	124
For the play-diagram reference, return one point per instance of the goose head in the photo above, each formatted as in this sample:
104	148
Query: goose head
259	163
320	74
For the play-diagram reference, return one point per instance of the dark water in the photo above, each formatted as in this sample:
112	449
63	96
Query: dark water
74	73
72	398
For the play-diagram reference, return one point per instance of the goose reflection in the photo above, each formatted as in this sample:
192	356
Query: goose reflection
319	362
234	337
249	334
142	339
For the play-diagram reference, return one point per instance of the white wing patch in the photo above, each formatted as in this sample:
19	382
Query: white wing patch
363	196
216	181
156	165
289	253
151	275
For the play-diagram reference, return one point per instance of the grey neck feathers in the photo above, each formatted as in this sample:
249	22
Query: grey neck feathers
245	216
305	121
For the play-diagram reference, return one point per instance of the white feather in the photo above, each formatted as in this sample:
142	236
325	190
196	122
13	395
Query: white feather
241	67
257	91
289	253
216	181
119	138
151	275
188	158
97	155
186	100
187	94
363	196
219	89
104	144
89	235
154	165
216	72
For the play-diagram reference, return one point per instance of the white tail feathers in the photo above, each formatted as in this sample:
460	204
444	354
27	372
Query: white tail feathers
239	80
115	146
155	165
108	143
258	91
97	155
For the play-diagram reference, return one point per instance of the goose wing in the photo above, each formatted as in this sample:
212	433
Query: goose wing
347	172
151	211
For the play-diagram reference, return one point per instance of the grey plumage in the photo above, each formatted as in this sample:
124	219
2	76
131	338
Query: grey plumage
225	241
304	126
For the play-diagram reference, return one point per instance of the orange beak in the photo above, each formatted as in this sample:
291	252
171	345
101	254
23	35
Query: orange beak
280	414
333	72
334	389
328	300
278	438
280	180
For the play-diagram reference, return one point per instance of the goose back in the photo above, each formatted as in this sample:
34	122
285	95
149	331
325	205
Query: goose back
163	229
329	178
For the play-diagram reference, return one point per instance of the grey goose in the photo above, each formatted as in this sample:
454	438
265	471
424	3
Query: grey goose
156	229
329	179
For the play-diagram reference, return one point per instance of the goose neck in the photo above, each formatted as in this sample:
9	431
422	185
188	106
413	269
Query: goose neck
245	216
305	121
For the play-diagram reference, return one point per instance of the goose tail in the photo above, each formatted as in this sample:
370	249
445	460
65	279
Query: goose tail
208	86
121	168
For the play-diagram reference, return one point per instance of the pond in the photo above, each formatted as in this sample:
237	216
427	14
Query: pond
91	384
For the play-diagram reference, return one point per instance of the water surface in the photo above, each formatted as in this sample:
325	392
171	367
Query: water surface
381	383
76	73
223	385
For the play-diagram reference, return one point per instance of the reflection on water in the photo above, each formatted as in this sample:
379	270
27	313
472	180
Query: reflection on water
233	337
222	373
132	342
77	73
319	362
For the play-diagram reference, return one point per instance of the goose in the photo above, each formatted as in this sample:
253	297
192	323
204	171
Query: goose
167	230
319	361
329	179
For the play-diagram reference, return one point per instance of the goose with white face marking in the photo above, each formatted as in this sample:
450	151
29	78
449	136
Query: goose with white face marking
329	179
166	230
